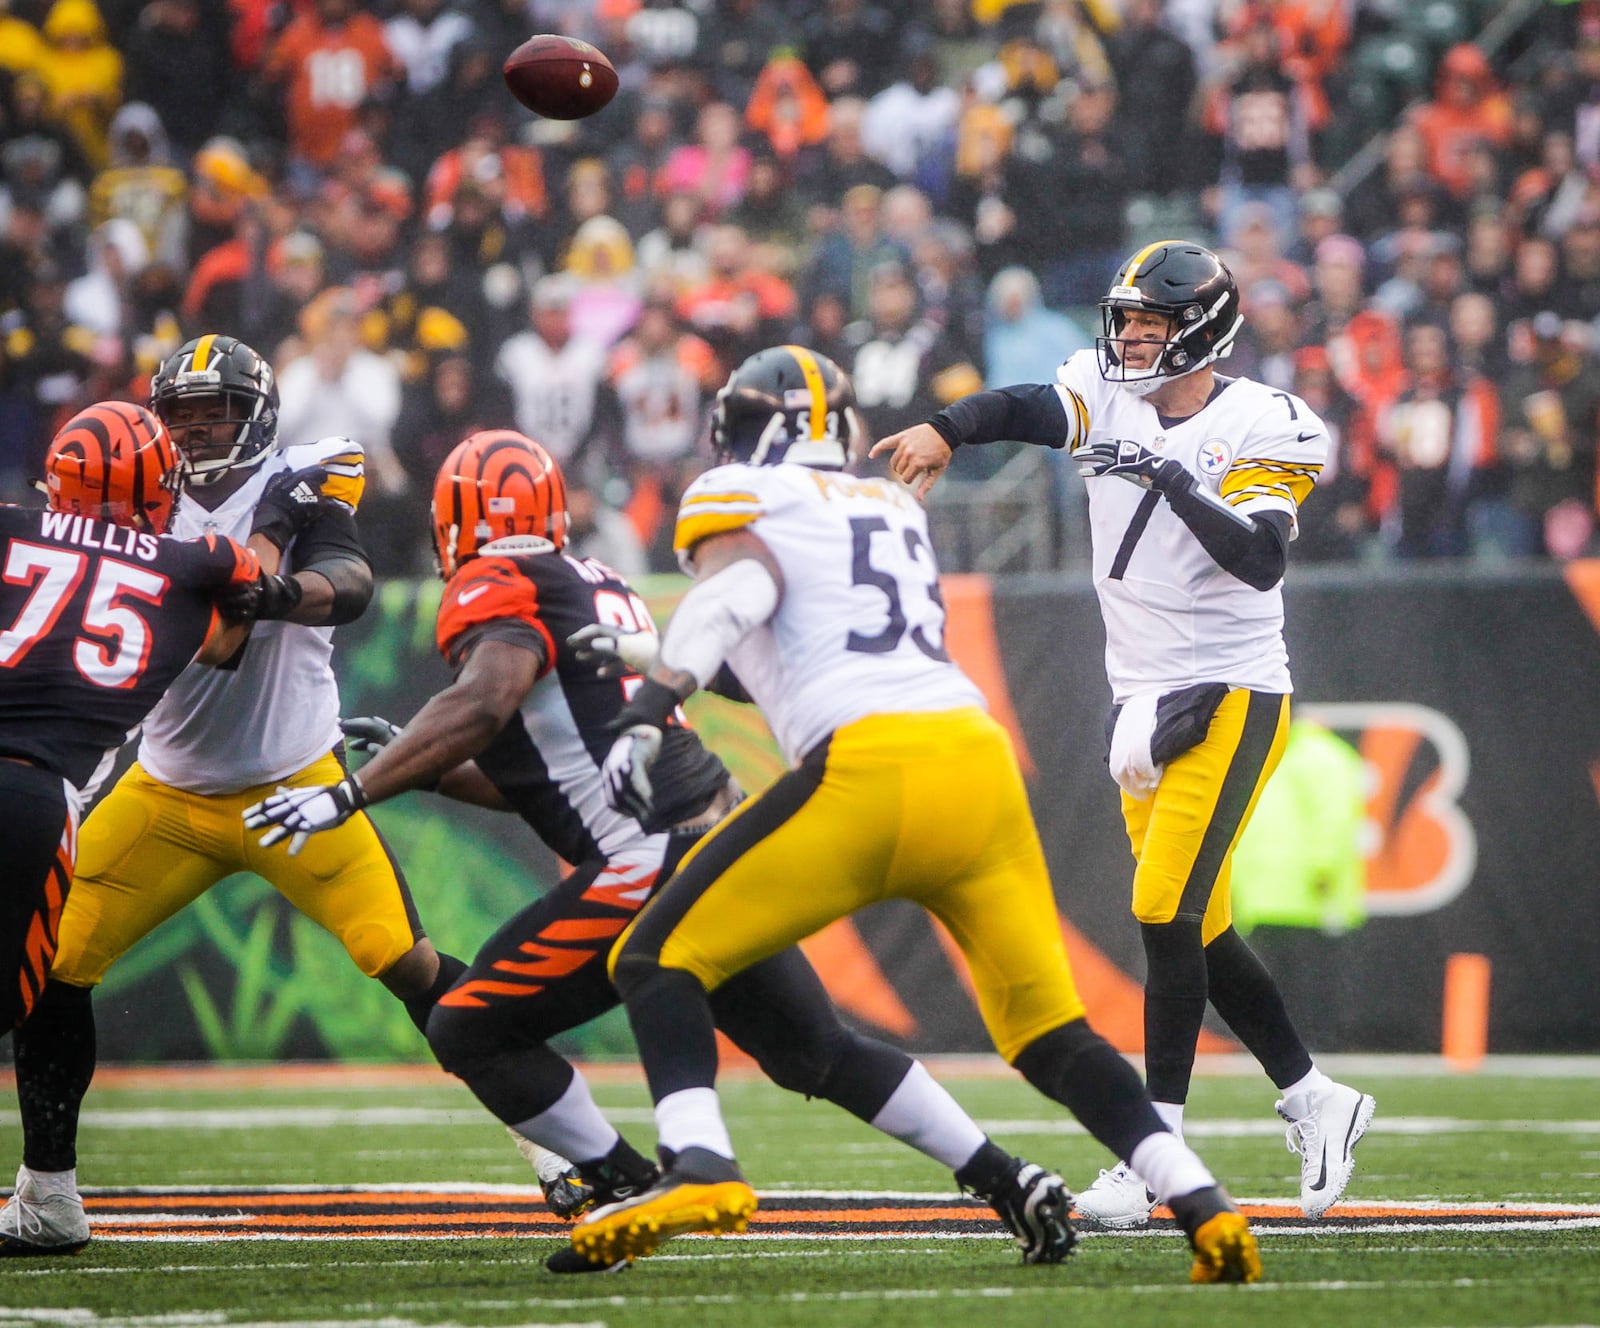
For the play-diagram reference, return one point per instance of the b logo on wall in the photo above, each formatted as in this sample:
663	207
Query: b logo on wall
1422	850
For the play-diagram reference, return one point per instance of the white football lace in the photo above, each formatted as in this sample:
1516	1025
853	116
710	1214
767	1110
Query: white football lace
1301	1134
29	1219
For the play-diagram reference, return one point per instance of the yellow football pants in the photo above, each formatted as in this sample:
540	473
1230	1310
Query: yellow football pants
148	850
1183	834
926	807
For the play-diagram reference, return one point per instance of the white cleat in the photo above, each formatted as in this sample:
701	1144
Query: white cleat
1117	1200
33	1223
1324	1128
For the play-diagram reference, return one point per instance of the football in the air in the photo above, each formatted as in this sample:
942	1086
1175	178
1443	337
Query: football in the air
560	78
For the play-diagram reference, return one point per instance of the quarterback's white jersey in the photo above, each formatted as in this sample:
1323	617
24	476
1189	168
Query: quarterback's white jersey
221	730
1173	616
860	628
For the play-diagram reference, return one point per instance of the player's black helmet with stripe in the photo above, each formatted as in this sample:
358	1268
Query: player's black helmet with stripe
221	366
786	403
1188	284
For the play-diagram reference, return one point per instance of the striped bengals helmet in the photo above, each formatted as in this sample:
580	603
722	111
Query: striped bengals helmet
497	484
114	461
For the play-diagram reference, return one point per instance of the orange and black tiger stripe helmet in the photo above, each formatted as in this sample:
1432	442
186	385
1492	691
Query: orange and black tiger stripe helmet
114	461
497	483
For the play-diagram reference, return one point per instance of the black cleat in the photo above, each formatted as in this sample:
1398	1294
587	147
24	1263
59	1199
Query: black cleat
1031	1201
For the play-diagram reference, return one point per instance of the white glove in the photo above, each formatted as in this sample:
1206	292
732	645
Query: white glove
302	812
626	771
618	650
1131	763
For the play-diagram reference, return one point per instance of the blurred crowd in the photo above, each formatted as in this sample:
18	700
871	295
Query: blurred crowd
932	192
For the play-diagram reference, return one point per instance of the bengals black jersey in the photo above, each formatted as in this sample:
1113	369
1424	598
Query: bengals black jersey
96	620
546	760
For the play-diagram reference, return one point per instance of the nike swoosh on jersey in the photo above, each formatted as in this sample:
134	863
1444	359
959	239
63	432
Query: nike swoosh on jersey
467	596
1306	437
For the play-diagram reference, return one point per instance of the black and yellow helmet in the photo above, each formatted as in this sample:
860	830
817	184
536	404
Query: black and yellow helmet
1192	287
786	404
221	366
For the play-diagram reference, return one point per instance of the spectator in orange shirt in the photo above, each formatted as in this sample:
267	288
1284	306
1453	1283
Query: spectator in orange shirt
328	62
1468	106
739	308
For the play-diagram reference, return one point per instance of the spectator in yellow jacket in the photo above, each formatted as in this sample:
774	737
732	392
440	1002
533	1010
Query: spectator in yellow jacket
83	74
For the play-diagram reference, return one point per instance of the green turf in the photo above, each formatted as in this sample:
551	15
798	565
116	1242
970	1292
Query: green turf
1457	1138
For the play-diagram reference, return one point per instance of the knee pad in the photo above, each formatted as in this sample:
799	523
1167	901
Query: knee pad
375	948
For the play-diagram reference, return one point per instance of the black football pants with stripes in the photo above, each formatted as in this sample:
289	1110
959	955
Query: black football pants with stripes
35	831
544	972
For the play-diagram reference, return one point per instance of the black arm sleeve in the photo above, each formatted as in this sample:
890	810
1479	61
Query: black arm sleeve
1253	548
1031	413
331	547
726	684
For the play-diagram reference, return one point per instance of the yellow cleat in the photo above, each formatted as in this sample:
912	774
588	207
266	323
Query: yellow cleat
635	1227
1225	1250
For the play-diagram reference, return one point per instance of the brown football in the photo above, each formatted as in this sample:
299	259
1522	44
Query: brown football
560	78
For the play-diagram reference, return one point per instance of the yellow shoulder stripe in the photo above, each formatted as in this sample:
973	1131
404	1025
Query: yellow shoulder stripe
346	489
696	498
1243	483
696	526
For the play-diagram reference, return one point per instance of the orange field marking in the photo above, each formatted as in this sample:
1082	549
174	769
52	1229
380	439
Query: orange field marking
417	1214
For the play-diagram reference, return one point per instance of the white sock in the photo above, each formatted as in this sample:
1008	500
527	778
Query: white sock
549	1166
692	1118
1169	1167
572	1125
46	1183
921	1113
1171	1114
1314	1081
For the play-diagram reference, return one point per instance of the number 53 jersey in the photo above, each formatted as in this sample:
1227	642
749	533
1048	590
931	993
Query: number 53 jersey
860	627
1173	616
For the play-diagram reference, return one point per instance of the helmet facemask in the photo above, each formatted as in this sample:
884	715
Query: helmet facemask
243	383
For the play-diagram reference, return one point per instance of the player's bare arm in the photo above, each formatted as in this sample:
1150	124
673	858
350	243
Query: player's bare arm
457	724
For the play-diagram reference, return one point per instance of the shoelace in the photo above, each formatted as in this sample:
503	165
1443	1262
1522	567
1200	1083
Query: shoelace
1301	1134
30	1221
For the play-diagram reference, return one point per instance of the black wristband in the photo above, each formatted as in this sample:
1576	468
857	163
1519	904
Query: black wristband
280	596
652	704
358	798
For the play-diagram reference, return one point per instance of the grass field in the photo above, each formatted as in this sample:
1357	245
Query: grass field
1474	1203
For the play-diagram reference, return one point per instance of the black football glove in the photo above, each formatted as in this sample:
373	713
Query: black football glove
368	733
266	597
288	504
1128	460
